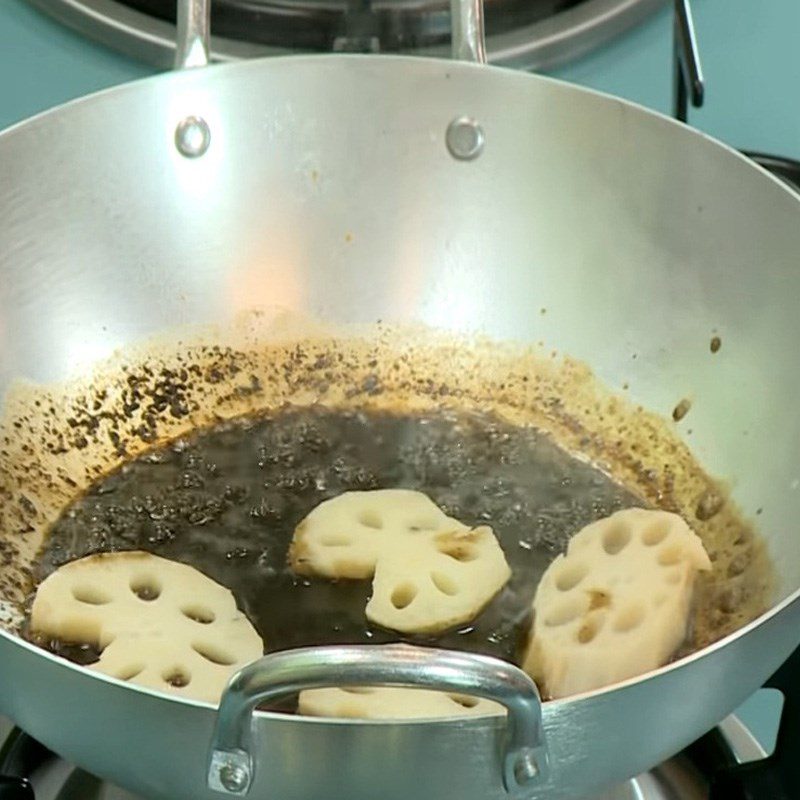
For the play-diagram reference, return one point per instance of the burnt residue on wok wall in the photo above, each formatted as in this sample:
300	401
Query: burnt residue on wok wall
56	441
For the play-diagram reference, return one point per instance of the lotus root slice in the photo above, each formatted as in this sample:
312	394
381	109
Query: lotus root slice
390	702
430	572
617	604
158	623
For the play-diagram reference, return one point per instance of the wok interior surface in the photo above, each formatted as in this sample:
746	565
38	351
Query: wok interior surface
418	277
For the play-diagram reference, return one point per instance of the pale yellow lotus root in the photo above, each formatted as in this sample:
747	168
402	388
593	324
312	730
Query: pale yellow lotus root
617	604
158	623
430	571
392	702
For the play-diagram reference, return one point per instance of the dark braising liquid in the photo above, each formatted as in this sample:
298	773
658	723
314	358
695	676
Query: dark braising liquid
226	500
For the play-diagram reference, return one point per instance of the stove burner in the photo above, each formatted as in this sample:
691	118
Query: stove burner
787	169
522	33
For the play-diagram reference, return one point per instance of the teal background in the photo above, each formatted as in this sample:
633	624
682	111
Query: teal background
750	54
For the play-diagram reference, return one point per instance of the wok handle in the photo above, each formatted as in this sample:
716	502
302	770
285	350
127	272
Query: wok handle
468	35
193	34
231	766
776	777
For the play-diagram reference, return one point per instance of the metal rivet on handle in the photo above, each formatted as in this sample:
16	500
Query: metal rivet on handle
526	768
234	777
192	137
465	138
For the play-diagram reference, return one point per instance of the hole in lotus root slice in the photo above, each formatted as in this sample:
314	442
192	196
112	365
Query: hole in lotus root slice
214	653
444	583
464	700
199	614
336	540
424	524
656	533
146	587
450	546
403	595
589	629
177	677
670	555
371	519
570	575
629	618
616	538
91	595
598	598
129	672
566	612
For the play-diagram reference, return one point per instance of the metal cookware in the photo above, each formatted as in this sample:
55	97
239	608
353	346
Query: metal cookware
130	212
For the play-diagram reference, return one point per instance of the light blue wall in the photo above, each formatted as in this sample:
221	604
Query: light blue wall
43	64
750	53
751	58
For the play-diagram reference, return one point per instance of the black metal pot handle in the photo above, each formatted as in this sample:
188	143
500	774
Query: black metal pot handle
193	36
468	35
231	764
19	757
776	777
192	46
687	72
15	789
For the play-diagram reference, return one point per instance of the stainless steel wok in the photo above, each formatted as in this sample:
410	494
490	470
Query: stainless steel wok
127	213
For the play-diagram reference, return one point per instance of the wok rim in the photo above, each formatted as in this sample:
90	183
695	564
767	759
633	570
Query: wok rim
401	61
556	706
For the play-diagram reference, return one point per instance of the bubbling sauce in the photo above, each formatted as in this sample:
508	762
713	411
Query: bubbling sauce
226	500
